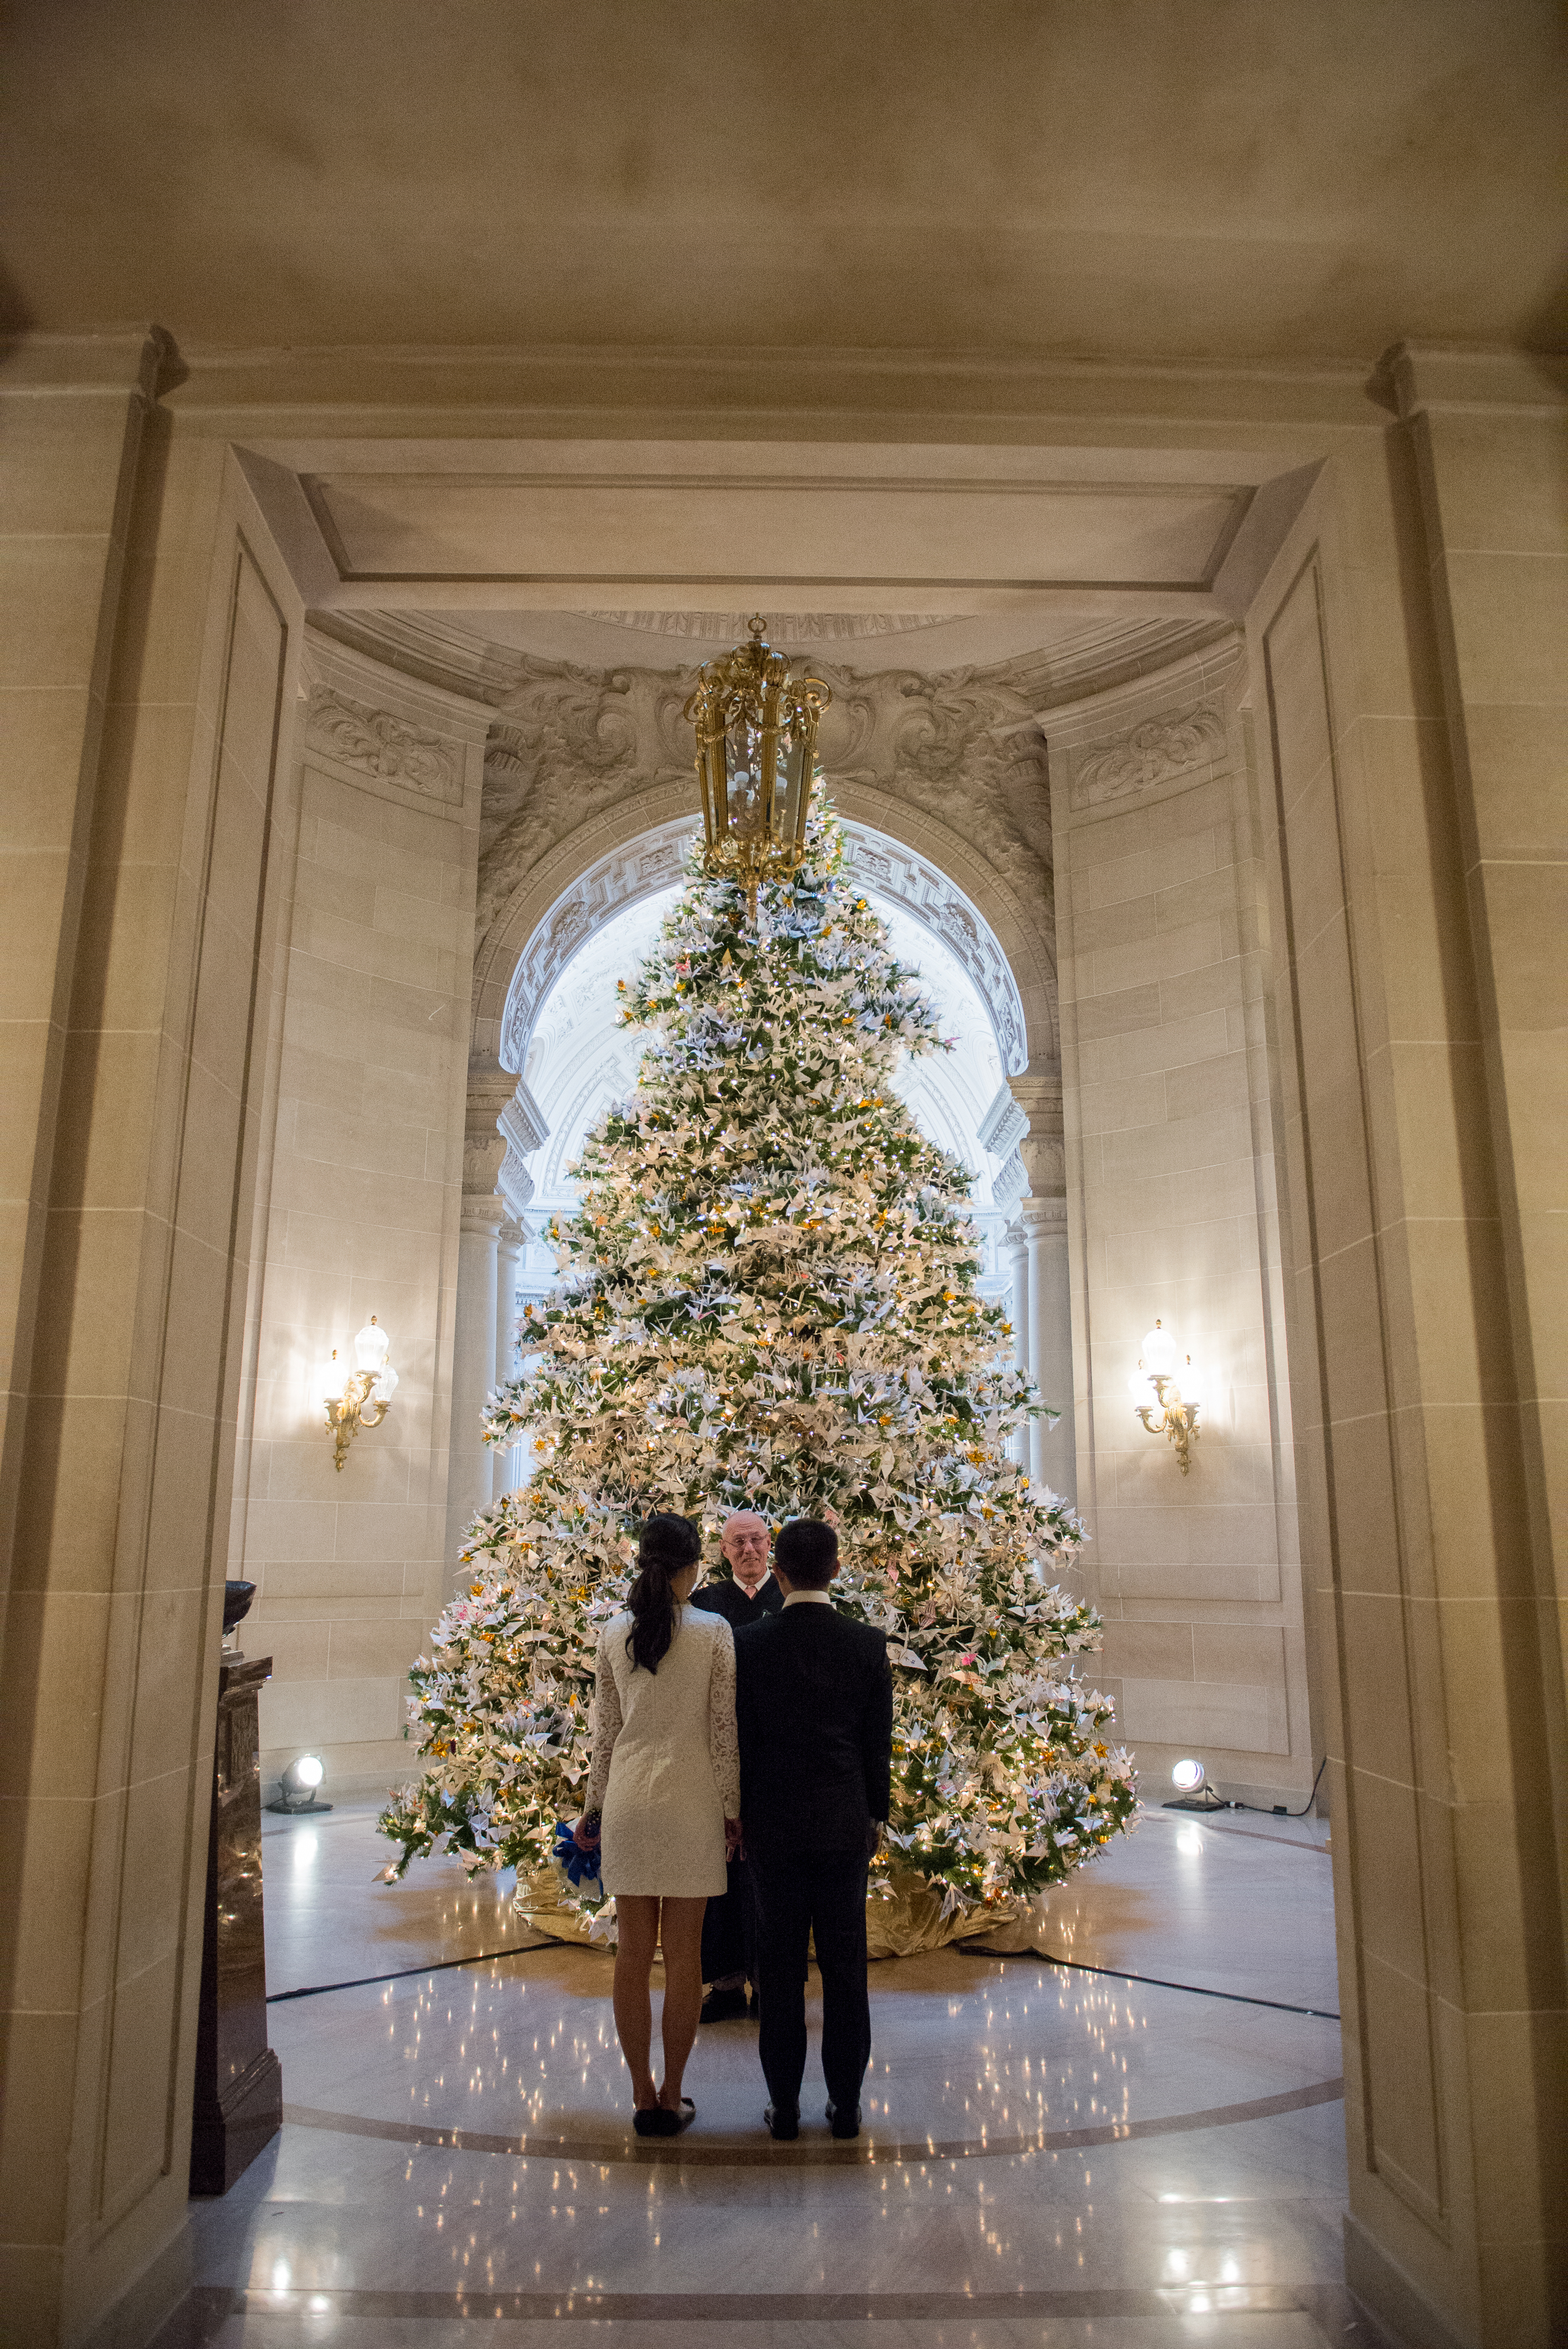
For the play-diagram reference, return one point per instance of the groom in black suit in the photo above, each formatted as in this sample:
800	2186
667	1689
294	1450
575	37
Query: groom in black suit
813	1702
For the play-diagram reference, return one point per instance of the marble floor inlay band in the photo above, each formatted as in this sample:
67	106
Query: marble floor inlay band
695	2154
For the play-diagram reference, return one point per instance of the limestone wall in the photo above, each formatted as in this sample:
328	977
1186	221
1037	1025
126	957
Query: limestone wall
363	1213
1173	1215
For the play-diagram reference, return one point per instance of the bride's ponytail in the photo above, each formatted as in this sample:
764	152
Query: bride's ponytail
669	1544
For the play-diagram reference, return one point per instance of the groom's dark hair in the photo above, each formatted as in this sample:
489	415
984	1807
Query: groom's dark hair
808	1551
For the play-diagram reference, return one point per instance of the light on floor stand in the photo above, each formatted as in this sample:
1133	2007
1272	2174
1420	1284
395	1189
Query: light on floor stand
1194	1792
297	1787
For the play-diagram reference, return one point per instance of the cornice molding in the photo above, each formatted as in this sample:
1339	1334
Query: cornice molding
636	389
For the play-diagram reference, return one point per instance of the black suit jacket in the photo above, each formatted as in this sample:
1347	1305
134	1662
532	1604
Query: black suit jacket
813	1702
728	1600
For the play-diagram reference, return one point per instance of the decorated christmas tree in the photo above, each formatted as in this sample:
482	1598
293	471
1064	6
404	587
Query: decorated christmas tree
769	1299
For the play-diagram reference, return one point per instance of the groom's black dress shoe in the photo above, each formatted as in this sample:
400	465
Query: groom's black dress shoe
724	2006
846	2123
783	2122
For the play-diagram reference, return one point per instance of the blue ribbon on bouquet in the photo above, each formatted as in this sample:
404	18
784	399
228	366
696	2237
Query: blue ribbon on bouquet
577	1864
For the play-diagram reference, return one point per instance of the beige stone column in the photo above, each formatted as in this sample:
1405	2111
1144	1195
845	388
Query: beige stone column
471	1483
73	416
150	652
1017	1242
1410	687
514	1240
1043	1217
476	1471
1459	2179
1051	1455
509	1256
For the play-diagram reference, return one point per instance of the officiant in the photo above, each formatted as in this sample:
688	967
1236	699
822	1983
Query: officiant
748	1594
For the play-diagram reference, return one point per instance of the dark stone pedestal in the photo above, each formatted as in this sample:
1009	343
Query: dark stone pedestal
239	2081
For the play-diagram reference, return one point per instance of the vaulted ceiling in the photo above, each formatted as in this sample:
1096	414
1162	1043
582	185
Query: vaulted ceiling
1230	180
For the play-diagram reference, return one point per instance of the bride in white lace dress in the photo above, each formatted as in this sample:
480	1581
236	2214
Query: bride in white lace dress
663	1802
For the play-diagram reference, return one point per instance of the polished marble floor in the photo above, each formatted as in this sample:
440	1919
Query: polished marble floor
1052	2155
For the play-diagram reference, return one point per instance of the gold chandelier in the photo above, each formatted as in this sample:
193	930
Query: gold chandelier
756	753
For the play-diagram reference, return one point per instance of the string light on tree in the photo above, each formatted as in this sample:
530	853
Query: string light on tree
768	1299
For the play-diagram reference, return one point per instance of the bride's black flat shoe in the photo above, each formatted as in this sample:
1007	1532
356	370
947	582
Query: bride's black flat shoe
683	2118
655	2120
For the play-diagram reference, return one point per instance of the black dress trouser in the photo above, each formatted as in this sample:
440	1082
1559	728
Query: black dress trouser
799	1895
729	1929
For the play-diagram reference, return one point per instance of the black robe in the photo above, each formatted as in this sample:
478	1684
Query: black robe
728	1600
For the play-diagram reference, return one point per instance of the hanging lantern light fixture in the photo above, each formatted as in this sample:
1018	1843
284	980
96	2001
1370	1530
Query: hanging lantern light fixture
756	754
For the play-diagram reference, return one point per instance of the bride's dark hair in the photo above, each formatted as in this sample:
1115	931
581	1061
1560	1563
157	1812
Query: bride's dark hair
668	1543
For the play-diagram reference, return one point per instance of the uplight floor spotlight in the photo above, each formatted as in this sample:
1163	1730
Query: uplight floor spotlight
297	1787
1194	1792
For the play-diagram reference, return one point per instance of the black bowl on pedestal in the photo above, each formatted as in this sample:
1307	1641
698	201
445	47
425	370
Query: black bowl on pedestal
237	1598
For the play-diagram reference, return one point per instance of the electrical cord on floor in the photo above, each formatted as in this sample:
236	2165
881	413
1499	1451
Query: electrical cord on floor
404	1973
1278	1810
1041	1957
1114	1974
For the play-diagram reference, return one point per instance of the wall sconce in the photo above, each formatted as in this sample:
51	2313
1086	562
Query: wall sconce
367	1397
1178	1387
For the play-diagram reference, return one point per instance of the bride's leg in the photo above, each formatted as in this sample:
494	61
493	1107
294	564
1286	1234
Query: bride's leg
680	1932
636	1932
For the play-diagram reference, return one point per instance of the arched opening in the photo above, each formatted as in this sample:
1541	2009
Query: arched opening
574	1058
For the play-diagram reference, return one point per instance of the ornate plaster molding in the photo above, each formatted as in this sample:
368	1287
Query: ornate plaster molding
1010	1184
1003	1124
356	735
961	745
522	1121
1151	752
1171	726
1042	1149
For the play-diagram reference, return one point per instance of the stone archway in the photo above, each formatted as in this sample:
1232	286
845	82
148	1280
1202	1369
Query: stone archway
654	859
923	865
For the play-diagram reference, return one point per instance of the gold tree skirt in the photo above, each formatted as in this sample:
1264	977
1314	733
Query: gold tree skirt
903	1916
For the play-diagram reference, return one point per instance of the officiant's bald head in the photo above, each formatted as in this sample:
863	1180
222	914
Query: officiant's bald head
746	1542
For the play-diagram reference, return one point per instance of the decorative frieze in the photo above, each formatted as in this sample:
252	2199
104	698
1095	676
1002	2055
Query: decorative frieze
568	743
379	744
1151	752
1170	726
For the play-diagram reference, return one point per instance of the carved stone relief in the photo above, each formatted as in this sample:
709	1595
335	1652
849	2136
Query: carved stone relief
568	743
356	735
965	745
1151	752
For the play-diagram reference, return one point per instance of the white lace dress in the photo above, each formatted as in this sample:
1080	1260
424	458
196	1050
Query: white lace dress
666	1763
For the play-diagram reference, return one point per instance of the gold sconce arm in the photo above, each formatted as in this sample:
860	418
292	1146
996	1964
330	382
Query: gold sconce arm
366	1398
1178	1421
